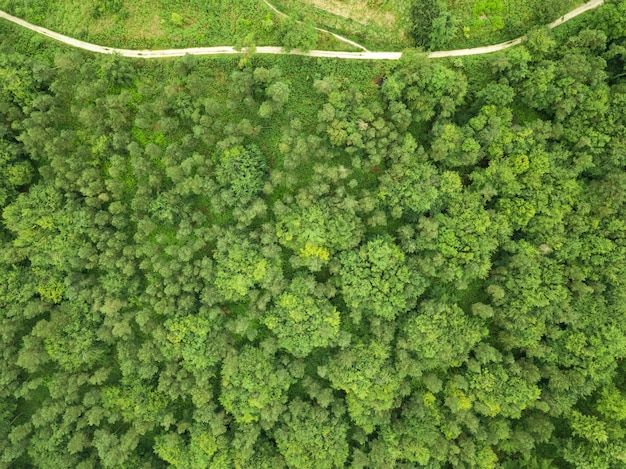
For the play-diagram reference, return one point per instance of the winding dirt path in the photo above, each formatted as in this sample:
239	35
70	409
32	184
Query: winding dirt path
365	55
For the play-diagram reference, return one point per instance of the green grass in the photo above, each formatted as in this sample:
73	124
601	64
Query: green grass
155	23
480	22
376	35
138	24
484	22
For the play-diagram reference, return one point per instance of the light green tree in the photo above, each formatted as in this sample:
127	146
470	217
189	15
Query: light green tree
303	318
377	279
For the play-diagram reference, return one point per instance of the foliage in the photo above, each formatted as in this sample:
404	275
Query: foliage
377	280
375	25
253	388
423	13
317	232
447	24
159	24
312	437
292	262
297	35
302	318
241	171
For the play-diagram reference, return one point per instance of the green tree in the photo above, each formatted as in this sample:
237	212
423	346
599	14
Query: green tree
300	35
409	186
443	29
366	374
242	171
312	437
240	267
302	318
254	386
423	14
317	232
377	279
440	336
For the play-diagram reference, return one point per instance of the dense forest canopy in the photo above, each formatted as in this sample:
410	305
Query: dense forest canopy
305	263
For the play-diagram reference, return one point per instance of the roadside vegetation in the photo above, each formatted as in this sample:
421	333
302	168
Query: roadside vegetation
170	24
457	24
389	25
287	262
377	26
430	24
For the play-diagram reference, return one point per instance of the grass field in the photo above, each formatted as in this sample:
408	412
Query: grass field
383	24
484	22
376	24
159	23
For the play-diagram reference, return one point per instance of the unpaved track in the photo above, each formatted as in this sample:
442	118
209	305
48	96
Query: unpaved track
505	45
365	55
336	36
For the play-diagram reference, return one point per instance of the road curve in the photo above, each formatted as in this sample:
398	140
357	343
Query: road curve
219	50
505	45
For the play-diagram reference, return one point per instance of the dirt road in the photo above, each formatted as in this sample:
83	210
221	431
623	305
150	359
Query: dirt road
365	55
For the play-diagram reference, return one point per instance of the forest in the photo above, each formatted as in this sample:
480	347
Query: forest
288	262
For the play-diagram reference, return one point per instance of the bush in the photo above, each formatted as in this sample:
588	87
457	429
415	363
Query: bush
297	35
423	14
105	7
